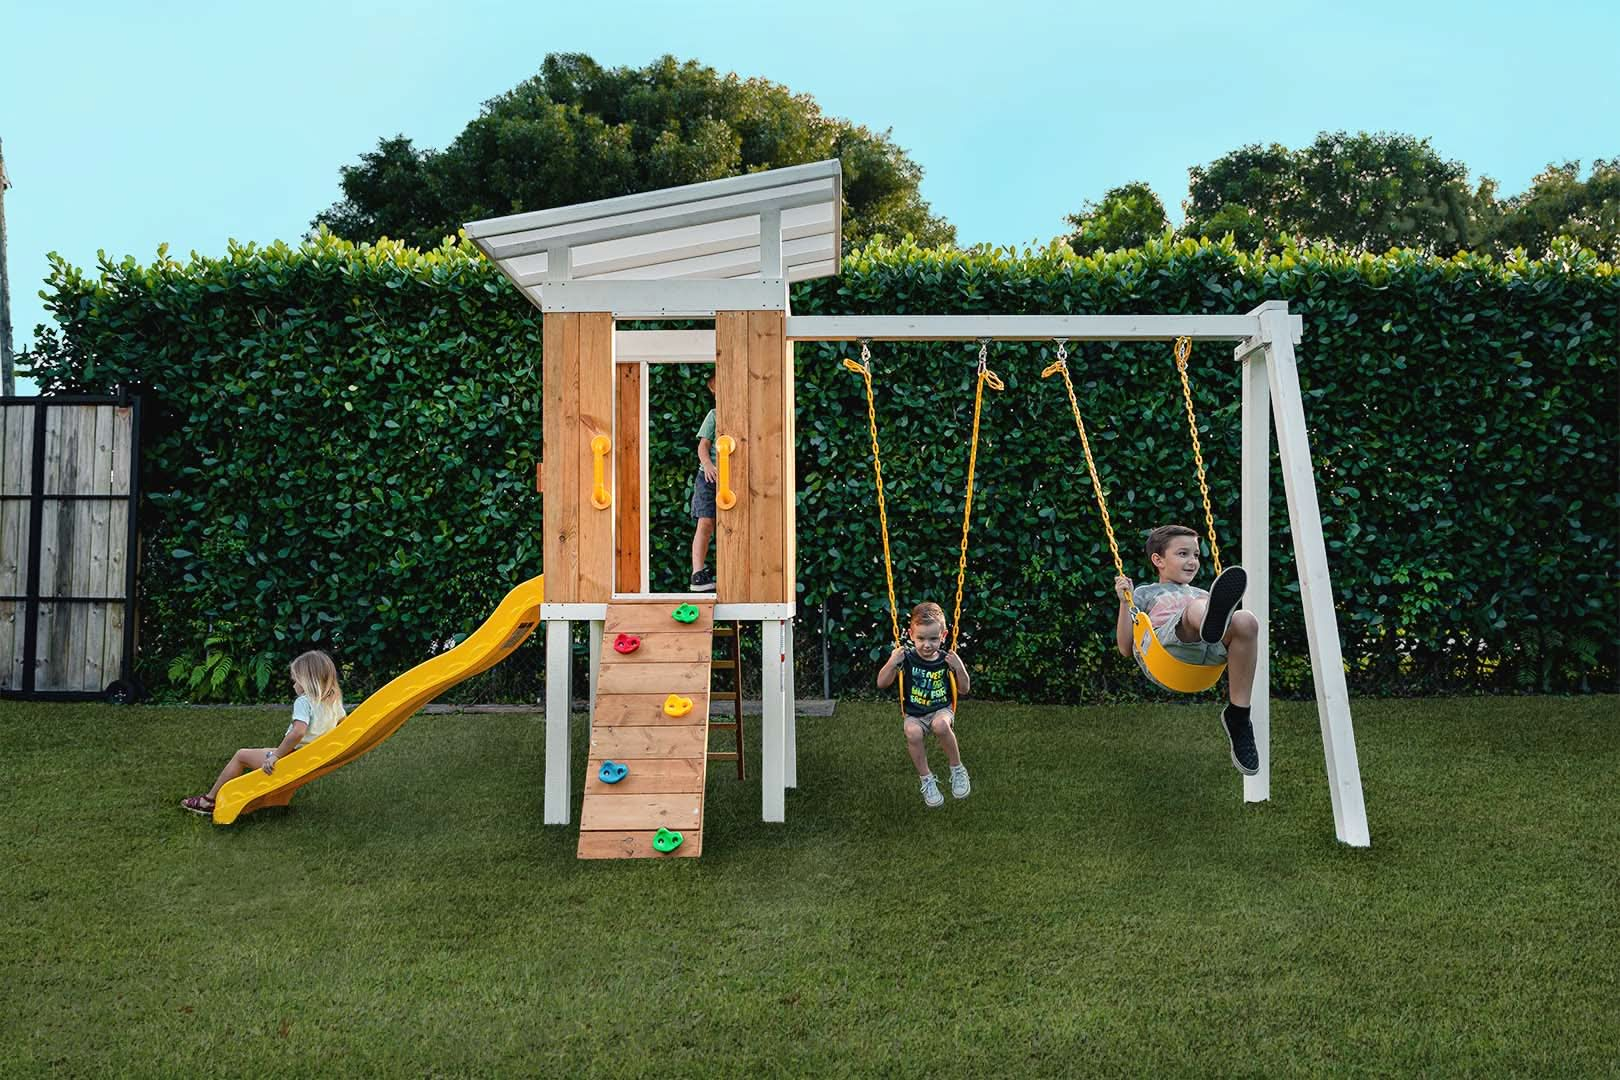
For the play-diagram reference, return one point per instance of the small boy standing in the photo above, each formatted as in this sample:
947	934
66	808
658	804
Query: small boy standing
1199	627
924	672
703	502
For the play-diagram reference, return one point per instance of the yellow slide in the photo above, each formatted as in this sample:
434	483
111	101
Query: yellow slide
381	714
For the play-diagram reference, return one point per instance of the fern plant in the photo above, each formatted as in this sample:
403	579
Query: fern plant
217	675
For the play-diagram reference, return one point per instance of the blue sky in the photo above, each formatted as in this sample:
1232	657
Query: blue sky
126	126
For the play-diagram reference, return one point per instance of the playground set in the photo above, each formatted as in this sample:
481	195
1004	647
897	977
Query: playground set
727	250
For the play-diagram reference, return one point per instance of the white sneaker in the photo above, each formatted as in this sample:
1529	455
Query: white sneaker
930	791
960	785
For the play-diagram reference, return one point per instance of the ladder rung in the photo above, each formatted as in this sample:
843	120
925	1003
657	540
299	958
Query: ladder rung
722	665
729	755
723	725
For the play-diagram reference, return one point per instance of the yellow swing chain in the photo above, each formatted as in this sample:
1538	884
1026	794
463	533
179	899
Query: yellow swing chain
1183	353
1061	367
864	369
995	383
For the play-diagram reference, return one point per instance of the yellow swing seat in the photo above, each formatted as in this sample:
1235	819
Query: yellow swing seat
1161	667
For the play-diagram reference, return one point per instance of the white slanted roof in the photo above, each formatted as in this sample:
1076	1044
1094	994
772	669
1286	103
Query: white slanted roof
645	254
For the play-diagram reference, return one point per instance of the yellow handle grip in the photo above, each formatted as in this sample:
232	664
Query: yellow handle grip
725	498
600	497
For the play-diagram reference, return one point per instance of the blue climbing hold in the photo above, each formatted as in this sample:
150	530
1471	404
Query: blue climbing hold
612	772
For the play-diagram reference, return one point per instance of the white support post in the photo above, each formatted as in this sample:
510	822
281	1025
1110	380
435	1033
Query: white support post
1256	556
773	726
790	744
559	668
1315	588
596	661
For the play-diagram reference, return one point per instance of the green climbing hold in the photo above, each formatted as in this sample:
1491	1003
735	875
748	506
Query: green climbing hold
667	840
685	613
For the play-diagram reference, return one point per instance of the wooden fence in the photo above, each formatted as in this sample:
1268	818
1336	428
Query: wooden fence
68	491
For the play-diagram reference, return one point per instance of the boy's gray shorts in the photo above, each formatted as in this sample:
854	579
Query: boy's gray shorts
1188	652
702	498
927	722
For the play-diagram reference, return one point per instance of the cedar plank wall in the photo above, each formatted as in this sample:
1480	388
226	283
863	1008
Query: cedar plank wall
753	403
577	377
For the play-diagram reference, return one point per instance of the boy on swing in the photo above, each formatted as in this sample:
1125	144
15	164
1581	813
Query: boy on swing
1199	627
925	672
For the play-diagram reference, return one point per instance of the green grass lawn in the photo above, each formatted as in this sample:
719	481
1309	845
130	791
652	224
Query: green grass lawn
1103	904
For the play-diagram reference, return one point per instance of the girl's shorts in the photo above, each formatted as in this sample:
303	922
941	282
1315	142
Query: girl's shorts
702	497
1189	652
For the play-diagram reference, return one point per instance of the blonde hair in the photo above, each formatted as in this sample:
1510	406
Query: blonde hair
928	613
315	676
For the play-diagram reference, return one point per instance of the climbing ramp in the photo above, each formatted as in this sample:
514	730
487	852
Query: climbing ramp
667	756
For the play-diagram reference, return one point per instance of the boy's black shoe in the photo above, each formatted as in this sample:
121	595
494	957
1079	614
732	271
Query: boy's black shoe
1224	595
702	581
1240	733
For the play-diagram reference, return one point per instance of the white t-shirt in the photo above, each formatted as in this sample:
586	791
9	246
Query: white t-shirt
304	710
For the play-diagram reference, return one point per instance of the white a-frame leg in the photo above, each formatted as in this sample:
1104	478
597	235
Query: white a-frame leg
1256	535
1310	558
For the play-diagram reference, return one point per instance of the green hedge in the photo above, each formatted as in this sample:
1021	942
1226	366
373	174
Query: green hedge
343	441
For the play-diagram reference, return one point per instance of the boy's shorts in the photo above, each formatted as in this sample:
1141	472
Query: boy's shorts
1189	652
926	722
702	497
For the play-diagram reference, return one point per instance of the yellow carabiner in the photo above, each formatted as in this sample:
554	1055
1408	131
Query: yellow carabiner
725	498
600	496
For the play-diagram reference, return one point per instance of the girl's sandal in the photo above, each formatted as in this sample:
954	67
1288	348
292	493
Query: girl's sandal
198	804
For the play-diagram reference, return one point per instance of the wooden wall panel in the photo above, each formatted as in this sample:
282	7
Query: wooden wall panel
568	451
595	418
766	480
98	545
731	418
578	402
753	399
627	424
118	483
562	578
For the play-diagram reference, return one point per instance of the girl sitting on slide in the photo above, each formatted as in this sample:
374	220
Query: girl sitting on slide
318	710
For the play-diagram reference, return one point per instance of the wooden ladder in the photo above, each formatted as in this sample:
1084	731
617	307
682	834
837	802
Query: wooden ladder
667	756
732	632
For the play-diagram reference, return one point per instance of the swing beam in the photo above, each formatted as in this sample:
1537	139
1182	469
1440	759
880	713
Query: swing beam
1253	327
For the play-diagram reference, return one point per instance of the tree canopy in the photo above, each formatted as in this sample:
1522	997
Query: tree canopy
1366	192
578	131
1561	204
1127	217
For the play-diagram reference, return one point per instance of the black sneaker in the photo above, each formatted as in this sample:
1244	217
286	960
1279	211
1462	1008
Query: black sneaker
1240	734
702	581
1224	594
